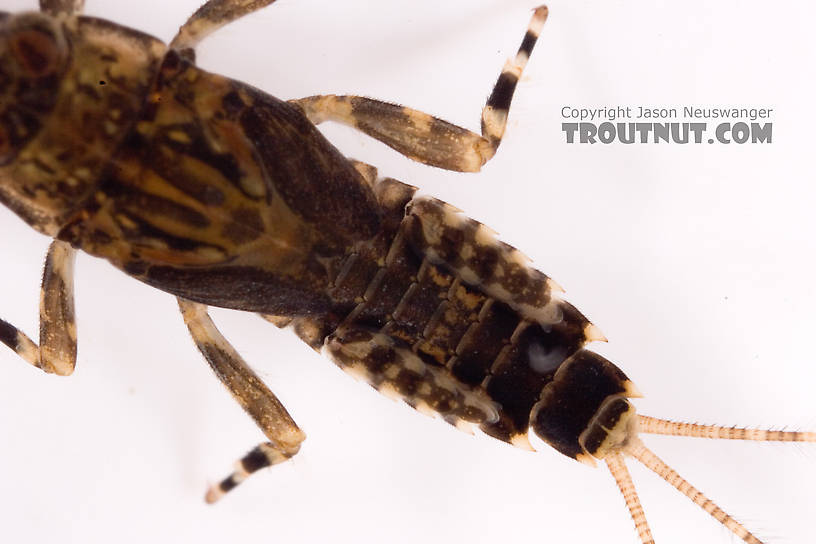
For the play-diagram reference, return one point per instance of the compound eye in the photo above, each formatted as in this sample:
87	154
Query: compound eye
37	47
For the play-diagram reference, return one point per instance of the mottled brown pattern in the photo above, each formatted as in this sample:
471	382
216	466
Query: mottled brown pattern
393	369
56	353
57	7
478	341
470	250
218	193
201	182
222	195
71	123
58	334
246	226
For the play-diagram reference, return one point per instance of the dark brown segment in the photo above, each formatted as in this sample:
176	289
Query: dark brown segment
522	371
464	307
482	343
570	401
528	43
503	91
418	306
8	334
354	278
359	269
383	296
255	460
228	484
570	332
389	285
445	330
484	261
402	332
407	384
378	360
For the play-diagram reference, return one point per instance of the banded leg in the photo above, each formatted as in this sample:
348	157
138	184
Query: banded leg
251	393
62	7
213	15
425	138
56	353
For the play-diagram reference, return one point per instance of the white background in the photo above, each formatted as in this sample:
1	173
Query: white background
696	261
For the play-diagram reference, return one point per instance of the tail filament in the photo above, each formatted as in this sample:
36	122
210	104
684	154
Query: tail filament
617	467
653	425
651	461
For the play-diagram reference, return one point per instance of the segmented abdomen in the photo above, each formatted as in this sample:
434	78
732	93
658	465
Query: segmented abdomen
454	320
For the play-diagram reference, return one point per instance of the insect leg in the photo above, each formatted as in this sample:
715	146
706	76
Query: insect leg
61	7
56	353
210	17
417	135
422	137
251	393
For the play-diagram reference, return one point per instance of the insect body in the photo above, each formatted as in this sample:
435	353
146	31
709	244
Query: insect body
221	195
